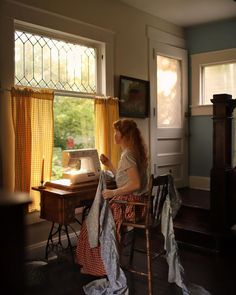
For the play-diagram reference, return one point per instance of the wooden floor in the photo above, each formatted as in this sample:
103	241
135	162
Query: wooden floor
214	272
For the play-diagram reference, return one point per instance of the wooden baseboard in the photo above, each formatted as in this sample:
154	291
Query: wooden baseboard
199	182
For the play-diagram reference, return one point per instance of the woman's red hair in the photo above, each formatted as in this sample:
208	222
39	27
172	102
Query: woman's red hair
133	138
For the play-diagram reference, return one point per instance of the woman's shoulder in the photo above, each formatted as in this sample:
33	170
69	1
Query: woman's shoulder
128	156
127	153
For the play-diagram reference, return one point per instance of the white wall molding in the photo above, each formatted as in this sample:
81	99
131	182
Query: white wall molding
199	60
199	182
165	44
95	32
202	110
164	37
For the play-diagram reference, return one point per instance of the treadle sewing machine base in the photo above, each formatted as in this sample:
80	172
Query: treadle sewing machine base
58	204
55	243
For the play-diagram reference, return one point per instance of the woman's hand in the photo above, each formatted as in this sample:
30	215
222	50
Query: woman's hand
105	161
108	194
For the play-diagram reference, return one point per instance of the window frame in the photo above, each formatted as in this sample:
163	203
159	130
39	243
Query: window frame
66	37
15	14
198	61
101	39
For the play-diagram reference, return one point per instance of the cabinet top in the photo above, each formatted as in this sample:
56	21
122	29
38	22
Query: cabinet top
13	199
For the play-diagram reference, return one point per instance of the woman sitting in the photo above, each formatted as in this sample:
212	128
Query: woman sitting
131	181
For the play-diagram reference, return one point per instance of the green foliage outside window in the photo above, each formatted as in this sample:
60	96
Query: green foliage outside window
73	128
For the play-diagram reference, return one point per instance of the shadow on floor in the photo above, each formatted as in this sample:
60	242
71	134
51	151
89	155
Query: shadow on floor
60	276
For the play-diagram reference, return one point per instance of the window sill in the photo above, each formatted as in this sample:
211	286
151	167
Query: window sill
32	218
202	110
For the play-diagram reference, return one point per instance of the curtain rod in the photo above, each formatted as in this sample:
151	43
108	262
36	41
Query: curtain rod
72	94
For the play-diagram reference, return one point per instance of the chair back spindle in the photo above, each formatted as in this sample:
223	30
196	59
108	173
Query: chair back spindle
157	197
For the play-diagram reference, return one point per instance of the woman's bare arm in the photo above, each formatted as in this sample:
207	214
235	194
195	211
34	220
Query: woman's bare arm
106	162
131	186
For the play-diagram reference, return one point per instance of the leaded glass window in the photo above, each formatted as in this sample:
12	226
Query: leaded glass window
50	63
71	70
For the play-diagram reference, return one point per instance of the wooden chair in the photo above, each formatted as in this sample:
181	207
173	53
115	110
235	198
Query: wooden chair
153	202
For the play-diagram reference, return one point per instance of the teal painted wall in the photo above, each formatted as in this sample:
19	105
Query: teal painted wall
200	161
214	36
203	38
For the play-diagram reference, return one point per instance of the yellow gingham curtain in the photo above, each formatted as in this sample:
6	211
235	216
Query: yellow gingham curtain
32	114
106	112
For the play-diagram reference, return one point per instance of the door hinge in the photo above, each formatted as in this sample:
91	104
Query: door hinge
153	53
154	112
187	114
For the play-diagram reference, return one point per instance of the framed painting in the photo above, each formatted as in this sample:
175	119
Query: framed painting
134	97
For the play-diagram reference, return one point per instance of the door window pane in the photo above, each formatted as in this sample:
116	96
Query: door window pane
168	92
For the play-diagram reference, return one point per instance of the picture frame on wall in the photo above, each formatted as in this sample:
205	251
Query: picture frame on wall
134	97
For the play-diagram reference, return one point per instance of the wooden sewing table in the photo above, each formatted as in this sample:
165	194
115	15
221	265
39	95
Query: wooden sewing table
58	204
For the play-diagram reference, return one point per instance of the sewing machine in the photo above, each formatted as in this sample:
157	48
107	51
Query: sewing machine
60	199
79	167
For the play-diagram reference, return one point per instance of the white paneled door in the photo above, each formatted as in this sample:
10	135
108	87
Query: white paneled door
169	124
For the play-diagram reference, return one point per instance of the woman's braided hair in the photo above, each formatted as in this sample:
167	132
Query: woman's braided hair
134	140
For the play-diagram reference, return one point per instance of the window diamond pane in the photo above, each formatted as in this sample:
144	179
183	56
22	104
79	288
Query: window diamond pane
38	62
19	59
168	92
28	57
46	64
50	63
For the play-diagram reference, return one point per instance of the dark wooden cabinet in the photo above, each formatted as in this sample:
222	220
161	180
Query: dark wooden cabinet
223	175
12	258
58	203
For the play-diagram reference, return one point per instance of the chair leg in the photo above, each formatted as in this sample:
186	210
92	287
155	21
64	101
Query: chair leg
119	245
149	267
131	256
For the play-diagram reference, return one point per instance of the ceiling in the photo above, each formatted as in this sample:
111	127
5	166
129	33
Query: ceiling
187	12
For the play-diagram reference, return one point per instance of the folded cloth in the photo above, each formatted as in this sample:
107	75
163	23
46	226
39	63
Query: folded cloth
175	274
101	229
